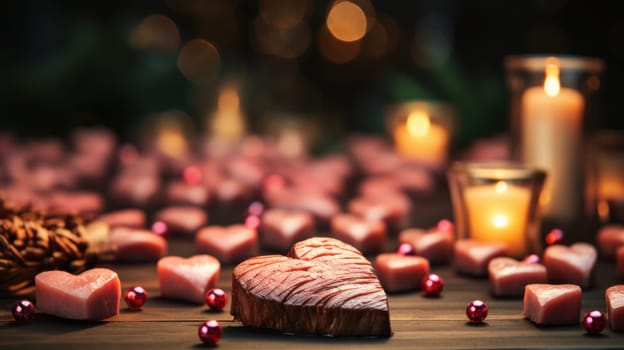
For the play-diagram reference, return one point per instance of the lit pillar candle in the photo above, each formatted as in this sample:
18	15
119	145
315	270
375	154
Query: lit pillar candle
499	213
552	118
422	140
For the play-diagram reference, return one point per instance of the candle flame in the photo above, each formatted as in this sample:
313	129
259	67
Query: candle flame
551	83
501	187
500	221
418	123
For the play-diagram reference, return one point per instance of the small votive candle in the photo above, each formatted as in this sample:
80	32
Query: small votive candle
422	131
498	202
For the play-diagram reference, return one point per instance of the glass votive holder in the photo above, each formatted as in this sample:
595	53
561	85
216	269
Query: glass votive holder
498	202
422	131
605	164
552	98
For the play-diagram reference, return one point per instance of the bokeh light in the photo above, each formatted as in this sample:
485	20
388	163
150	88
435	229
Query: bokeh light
156	32
284	14
337	51
346	21
199	61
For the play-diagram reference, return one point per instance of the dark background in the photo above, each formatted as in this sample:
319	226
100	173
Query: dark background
70	63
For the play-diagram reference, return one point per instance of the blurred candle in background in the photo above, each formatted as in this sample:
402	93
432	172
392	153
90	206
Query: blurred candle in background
552	118
421	131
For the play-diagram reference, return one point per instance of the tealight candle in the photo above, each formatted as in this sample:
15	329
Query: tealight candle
421	131
498	203
499	213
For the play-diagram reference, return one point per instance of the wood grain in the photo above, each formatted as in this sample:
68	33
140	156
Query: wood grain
417	321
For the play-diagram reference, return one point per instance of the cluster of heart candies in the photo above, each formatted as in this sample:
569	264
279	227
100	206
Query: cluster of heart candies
209	332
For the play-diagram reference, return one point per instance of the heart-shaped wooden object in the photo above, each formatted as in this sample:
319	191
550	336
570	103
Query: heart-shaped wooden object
323	286
187	279
92	295
574	264
508	276
231	244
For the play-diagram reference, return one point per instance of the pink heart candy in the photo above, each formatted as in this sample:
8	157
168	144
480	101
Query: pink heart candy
508	277
229	244
574	264
93	295
282	228
187	278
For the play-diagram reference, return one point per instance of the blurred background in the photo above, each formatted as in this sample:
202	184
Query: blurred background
328	67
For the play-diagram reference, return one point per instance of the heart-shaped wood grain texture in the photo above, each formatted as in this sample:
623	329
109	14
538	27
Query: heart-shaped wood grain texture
92	295
323	286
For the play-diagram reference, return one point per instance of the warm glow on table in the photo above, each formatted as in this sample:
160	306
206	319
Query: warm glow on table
551	128
420	139
499	213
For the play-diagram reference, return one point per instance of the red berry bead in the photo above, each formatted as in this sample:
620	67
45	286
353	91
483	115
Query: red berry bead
405	249
445	225
23	310
216	298
210	332
532	259
594	322
555	236
477	311
432	285
135	297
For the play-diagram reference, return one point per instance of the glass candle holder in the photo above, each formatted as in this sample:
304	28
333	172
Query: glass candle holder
605	164
498	202
551	98
422	130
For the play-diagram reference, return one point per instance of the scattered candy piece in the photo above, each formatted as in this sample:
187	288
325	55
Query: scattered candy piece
477	311
405	249
555	236
609	239
135	297
210	332
23	310
574	264
216	298
401	273
614	296
93	295
187	278
508	276
552	304
432	285
594	322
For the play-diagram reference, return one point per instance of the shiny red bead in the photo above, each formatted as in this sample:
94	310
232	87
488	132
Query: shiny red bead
432	285
405	249
555	236
135	297
253	222
160	228
192	175
210	332
477	311
445	225
594	322
216	298
532	259
255	209
23	310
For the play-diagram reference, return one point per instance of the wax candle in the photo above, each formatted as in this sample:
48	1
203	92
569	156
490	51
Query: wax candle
552	118
422	140
499	213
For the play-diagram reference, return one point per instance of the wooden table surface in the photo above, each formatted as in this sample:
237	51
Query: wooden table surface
417	321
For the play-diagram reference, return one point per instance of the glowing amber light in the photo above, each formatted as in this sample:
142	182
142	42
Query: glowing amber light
551	83
501	187
346	21
199	61
418	123
499	213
